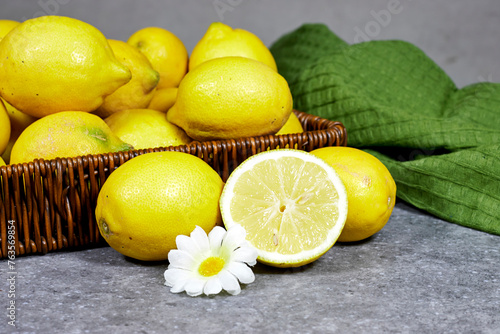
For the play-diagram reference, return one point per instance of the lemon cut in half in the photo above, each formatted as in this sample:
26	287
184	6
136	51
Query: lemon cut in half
292	205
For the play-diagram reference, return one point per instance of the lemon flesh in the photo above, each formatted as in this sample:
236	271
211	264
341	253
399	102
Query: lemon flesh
292	205
54	63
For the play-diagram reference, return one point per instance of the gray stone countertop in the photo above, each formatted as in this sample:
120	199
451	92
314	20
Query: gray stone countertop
419	274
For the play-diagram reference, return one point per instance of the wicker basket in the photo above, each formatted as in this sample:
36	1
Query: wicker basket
50	204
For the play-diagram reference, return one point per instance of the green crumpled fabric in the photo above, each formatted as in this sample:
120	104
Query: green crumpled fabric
440	143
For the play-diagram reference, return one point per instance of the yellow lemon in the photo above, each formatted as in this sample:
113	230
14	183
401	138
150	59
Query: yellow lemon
138	92
146	128
4	128
231	97
65	134
53	63
165	51
163	99
371	190
2	163
18	122
293	125
292	205
150	200
6	26
221	40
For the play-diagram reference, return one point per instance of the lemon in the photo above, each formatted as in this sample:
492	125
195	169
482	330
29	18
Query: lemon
220	40
231	97
4	128
371	190
150	200
163	99
139	91
54	63
6	26
165	51
146	128
293	125
65	134
2	163
18	121
292	205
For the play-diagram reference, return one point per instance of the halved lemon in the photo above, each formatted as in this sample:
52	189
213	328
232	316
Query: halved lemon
292	205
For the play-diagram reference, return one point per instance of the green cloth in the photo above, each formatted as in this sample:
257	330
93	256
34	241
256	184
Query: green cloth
440	143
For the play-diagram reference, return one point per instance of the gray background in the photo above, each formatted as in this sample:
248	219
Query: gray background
462	36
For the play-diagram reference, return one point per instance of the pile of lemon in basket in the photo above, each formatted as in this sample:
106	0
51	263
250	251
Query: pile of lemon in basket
67	91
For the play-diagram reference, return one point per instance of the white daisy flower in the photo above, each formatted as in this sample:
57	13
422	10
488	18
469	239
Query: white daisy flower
208	264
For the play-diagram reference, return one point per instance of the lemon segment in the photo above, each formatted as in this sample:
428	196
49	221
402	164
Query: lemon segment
292	205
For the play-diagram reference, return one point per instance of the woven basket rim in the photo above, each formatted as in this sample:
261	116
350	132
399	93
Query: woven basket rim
31	165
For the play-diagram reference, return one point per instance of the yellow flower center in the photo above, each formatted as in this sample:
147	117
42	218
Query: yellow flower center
211	266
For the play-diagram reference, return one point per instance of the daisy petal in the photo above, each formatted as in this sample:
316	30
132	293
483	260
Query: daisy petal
194	287
245	254
213	286
172	276
180	259
229	282
242	272
199	237
234	237
215	237
185	243
179	285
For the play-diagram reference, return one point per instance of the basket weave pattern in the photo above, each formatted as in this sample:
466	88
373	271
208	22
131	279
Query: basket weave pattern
50	204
